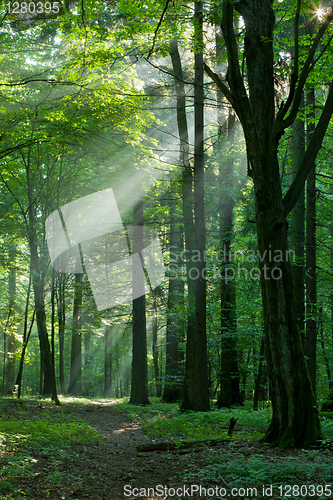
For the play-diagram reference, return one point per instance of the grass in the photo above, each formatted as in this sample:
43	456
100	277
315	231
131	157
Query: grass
39	436
165	420
242	463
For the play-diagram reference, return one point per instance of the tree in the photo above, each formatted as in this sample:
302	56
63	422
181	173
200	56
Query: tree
229	392
295	419
196	386
75	380
139	386
311	273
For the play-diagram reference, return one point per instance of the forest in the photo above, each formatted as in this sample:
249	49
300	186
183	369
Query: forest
166	241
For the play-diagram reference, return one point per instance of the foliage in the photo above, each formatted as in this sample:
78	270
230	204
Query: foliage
39	432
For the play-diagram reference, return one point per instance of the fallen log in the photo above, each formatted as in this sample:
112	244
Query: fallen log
188	444
180	445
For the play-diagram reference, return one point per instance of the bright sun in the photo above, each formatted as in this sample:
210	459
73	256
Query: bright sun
320	13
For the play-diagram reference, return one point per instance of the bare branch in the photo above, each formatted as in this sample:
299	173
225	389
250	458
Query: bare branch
158	27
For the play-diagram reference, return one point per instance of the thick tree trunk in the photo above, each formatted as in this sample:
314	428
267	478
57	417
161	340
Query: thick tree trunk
139	387
297	233
75	377
196	387
188	221
295	419
37	273
311	278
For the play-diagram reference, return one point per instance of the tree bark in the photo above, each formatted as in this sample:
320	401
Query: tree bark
311	281
174	331
61	310
87	382
258	382
107	362
229	393
75	377
196	387
26	336
10	344
50	386
297	233
188	221
139	387
295	419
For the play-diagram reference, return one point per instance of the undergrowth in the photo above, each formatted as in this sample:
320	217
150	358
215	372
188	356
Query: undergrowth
38	436
164	420
242	462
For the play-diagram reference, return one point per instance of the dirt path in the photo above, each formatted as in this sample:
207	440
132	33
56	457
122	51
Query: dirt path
114	464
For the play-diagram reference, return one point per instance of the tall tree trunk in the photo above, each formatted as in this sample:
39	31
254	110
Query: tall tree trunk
26	336
196	387
311	281
24	348
295	418
38	286
322	342
229	393
158	383
9	374
188	220
174	330
107	361
61	310
75	378
139	387
87	383
297	233
53	287
259	379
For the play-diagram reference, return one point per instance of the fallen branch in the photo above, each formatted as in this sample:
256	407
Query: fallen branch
181	445
188	444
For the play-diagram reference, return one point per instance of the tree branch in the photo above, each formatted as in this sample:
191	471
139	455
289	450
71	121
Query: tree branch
158	27
295	96
310	154
221	86
294	75
236	82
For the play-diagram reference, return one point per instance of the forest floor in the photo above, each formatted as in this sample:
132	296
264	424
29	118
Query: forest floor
86	450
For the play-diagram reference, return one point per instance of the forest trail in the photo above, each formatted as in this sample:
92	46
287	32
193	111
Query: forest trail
115	461
87	450
98	471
